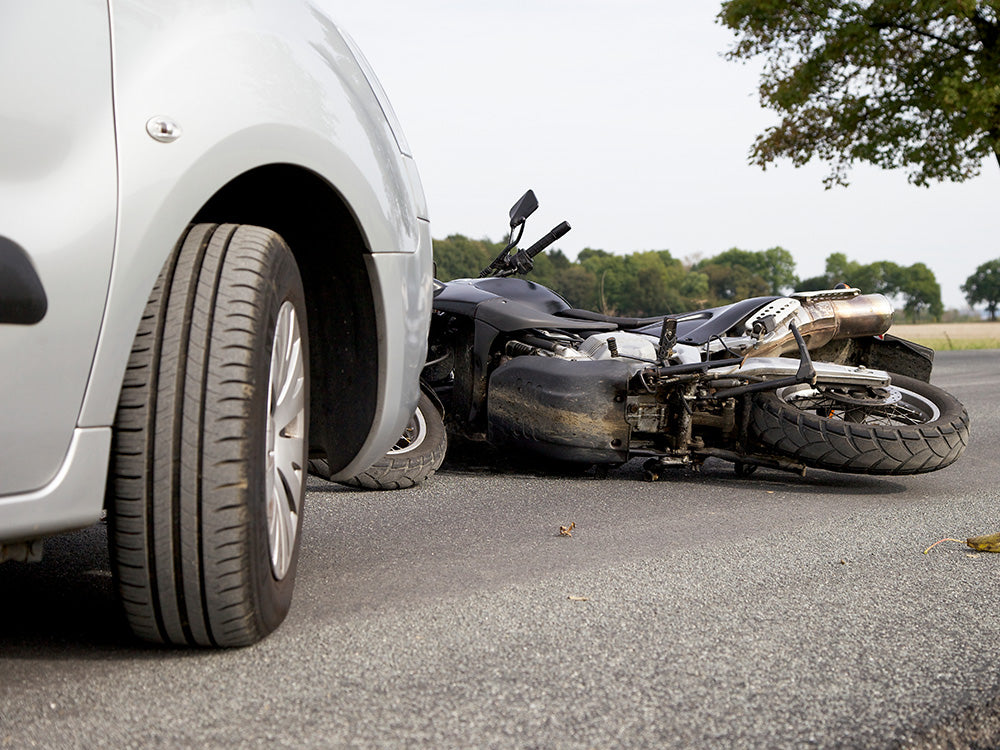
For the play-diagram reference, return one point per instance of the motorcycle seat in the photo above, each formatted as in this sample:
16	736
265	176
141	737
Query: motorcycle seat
623	323
695	328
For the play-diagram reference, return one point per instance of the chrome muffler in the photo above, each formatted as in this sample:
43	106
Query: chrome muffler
820	317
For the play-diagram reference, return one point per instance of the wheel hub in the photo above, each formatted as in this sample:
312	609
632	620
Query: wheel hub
285	433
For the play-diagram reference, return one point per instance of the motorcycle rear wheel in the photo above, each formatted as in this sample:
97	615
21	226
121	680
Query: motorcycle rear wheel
910	428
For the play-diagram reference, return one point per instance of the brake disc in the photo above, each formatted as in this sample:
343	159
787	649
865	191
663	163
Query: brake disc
877	396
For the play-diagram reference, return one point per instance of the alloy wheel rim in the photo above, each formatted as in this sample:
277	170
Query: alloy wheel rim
285	435
899	406
413	435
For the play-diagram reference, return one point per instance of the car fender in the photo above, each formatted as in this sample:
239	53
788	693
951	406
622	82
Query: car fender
246	85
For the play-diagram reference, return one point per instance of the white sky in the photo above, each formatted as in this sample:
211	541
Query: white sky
626	121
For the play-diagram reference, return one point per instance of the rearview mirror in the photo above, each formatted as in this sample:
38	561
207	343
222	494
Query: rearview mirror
524	208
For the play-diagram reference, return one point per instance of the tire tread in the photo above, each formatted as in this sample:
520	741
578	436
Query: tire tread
862	449
180	529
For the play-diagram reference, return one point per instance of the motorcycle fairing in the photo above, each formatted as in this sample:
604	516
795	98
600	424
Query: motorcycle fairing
698	328
567	410
498	305
511	315
525	291
510	304
513	304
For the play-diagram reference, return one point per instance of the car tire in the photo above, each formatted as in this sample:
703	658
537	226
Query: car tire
210	443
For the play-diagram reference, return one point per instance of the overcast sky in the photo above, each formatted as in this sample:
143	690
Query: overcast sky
626	121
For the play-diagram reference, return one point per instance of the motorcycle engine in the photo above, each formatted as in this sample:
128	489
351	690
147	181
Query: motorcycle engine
628	345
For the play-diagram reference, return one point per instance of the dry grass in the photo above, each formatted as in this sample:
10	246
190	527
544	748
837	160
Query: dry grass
951	335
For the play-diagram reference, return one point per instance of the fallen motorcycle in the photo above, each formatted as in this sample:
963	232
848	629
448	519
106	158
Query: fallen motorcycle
807	380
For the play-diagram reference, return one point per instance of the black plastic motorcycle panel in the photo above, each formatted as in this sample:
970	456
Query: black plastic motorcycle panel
462	294
459	298
525	291
697	328
511	315
509	304
566	410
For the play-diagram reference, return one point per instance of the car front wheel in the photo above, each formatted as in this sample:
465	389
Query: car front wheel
210	443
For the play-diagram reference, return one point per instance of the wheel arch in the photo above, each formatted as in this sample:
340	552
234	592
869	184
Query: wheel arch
329	248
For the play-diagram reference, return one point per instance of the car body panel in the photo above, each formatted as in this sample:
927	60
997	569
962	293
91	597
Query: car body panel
57	202
69	500
249	84
286	110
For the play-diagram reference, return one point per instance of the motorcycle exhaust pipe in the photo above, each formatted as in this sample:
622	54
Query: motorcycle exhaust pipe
864	315
821	320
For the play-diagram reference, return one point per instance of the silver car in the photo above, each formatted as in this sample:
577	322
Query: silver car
215	262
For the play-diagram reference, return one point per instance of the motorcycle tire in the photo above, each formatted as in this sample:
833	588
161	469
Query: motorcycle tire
417	454
912	428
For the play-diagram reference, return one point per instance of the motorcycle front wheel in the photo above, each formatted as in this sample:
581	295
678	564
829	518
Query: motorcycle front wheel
911	427
417	454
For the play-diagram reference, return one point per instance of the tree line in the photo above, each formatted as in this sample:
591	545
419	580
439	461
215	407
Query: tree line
654	282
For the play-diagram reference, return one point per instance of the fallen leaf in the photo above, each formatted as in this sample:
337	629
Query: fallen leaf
987	543
567	530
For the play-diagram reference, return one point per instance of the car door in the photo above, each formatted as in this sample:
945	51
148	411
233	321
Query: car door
58	184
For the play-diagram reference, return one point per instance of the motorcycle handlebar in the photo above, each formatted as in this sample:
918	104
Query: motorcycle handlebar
547	240
520	262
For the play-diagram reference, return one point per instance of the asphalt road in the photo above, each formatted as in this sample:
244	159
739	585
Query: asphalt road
701	611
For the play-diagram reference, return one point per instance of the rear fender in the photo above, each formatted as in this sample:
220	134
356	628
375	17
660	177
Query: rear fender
888	352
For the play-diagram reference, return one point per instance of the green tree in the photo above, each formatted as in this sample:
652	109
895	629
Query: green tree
610	272
727	283
912	84
775	266
458	257
653	284
589	252
578	286
644	283
574	282
915	286
984	287
814	283
841	270
694	289
920	291
880	277
737	274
